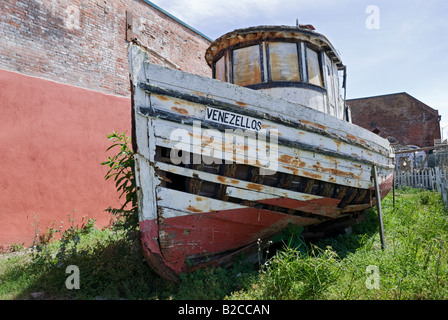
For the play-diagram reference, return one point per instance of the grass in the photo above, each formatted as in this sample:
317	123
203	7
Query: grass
413	266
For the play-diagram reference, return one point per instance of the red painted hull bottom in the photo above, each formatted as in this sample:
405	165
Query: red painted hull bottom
188	242
206	235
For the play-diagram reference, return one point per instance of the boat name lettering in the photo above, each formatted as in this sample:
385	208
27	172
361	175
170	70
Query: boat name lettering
233	119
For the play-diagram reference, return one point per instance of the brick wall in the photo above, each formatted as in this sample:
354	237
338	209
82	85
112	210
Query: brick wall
83	43
399	115
64	86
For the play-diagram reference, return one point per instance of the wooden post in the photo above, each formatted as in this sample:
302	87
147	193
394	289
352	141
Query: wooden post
393	189
129	32
378	205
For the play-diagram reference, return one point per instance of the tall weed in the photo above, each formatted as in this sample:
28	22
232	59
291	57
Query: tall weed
121	170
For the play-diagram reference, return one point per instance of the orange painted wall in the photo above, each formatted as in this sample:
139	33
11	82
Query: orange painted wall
52	141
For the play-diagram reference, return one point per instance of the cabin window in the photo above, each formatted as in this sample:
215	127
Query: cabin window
284	61
312	61
220	69
247	66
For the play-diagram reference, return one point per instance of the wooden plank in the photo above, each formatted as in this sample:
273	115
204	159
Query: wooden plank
235	182
285	159
187	203
145	183
335	143
220	91
245	194
324	206
129	26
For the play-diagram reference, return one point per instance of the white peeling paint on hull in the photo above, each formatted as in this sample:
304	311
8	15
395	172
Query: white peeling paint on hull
219	166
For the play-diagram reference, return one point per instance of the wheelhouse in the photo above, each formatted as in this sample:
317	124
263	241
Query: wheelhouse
294	63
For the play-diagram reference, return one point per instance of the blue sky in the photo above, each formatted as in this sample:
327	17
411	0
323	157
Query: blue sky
403	50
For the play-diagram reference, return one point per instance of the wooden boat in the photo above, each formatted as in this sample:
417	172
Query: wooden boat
221	167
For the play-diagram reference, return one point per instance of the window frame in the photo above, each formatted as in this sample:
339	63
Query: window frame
221	56
268	60
265	65
261	62
320	65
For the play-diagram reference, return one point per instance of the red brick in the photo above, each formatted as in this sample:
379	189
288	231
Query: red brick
399	115
39	29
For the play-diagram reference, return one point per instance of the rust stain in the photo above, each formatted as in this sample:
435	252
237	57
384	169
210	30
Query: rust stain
221	178
312	175
207	139
254	186
293	170
162	97
338	143
334	171
241	104
341	173
193	209
261	34
184	102
234	181
314	124
292	161
199	199
179	110
201	94
350	136
286	158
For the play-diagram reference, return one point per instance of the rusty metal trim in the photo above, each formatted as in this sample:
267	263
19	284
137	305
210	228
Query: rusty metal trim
289	33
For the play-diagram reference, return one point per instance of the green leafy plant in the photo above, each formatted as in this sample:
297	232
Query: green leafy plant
292	237
121	170
16	247
70	240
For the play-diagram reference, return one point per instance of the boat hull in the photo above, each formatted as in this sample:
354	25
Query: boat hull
221	169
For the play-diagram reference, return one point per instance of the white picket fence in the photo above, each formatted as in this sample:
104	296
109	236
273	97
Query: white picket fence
430	178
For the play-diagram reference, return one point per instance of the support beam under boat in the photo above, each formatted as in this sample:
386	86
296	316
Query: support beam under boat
378	205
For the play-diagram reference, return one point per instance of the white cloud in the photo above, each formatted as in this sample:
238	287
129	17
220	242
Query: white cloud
207	15
406	54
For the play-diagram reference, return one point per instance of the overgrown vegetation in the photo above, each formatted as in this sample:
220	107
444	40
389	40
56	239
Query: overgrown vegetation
413	266
121	170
